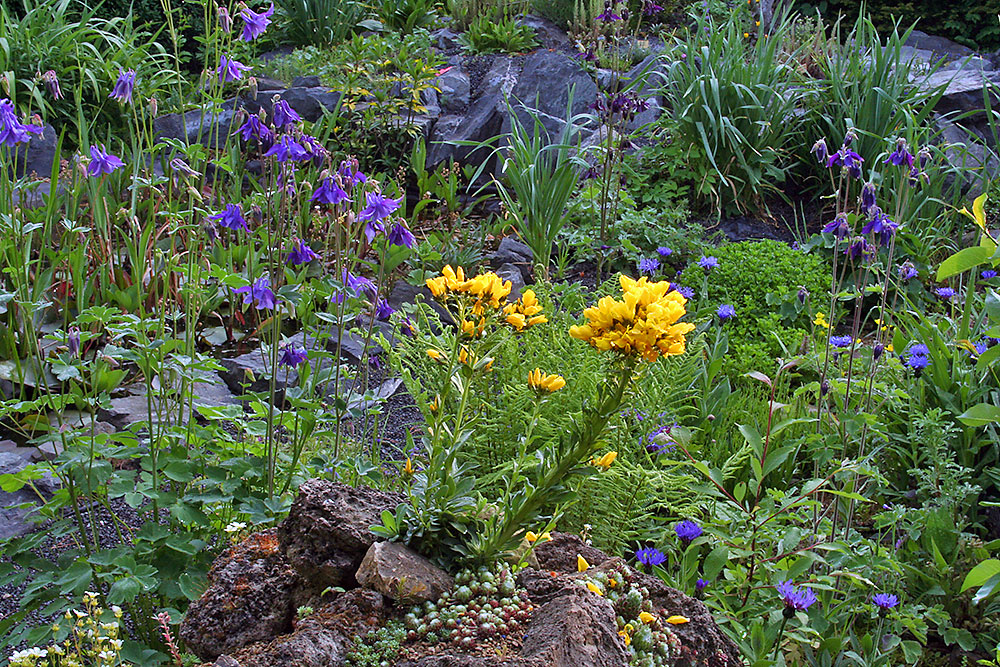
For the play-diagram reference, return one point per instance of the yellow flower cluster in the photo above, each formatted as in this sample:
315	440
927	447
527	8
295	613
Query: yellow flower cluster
539	381
643	323
488	289
820	320
525	312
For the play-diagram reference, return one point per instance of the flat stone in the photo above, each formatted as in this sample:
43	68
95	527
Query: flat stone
455	89
13	517
401	574
941	46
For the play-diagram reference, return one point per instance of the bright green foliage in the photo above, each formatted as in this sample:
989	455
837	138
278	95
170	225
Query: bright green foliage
405	16
378	646
666	173
85	52
761	280
491	34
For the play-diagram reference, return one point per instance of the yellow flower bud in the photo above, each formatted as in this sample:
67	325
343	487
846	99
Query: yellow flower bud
436	355
646	617
592	587
678	620
581	564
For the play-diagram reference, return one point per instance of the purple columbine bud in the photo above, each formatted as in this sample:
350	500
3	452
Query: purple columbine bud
52	84
803	294
73	341
824	388
868	196
877	351
924	156
225	20
850	137
821	151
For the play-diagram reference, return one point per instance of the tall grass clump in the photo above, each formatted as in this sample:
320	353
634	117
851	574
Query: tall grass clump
323	22
735	96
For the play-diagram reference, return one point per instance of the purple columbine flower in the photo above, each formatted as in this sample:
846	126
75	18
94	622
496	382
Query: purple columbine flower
292	355
867	196
231	217
401	236
253	128
608	16
102	162
590	173
907	271
287	149
664	252
73	341
795	598
726	312
848	159
649	265
329	193
708	263
859	249
259	293
840	342
383	310
901	156
988	274
650	557
688	531
880	225
650	8
838	227
13	131
230	69
225	19
945	293
821	151
884	601
284	115
350	175
51	81
379	207
301	254
255	24
359	284
124	86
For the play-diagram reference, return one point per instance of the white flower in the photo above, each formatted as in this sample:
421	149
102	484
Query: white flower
235	527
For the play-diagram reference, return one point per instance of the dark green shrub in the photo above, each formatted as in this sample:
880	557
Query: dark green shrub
970	22
761	280
489	34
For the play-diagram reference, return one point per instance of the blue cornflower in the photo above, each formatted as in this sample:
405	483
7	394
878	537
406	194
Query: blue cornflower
919	349
988	274
708	263
259	293
231	69
901	156
401	236
664	252
124	86
255	24
231	217
329	192
908	272
795	598
650	557
688	531
301	253
685	292
840	341
649	265
726	312
945	293
287	149
284	115
885	601
918	357
292	355
102	162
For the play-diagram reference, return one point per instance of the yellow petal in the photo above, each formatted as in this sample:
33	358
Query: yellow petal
592	587
678	620
581	564
545	537
646	617
531	537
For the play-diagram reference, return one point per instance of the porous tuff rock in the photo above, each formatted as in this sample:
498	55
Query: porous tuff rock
702	642
462	660
401	574
328	530
249	599
321	639
575	630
